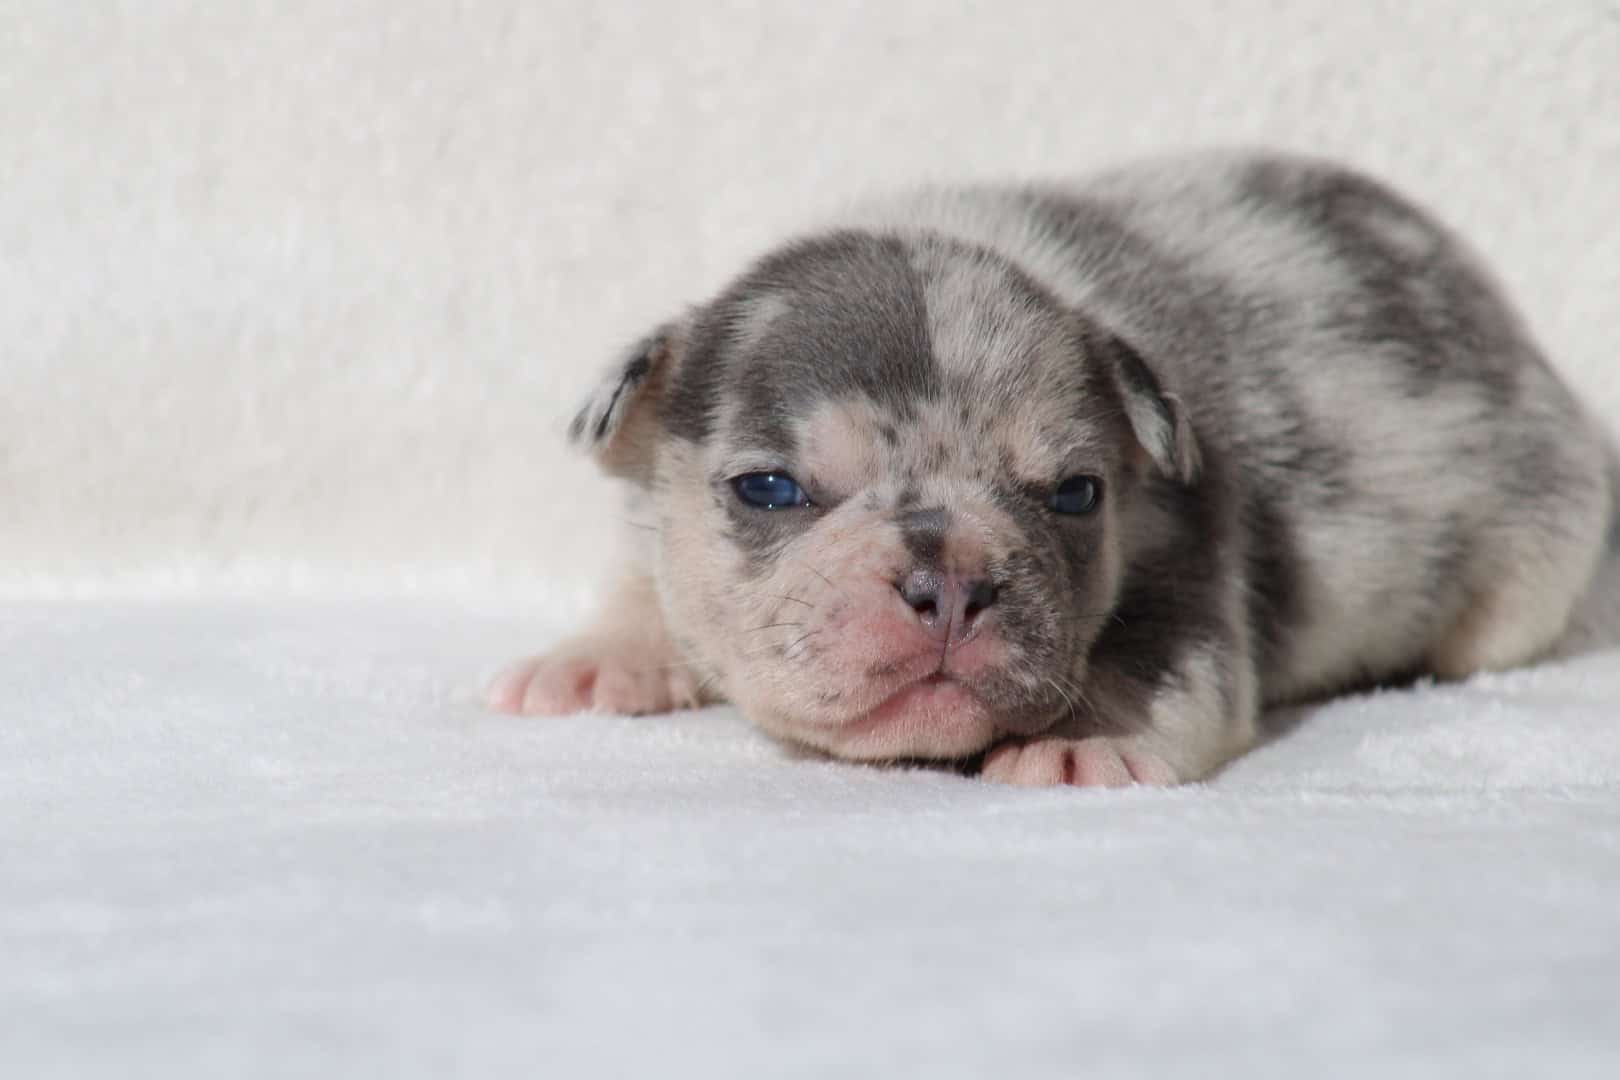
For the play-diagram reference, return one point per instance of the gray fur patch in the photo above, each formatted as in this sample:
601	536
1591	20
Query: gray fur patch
1328	444
847	319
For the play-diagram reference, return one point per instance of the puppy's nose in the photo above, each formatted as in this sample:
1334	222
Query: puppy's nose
948	606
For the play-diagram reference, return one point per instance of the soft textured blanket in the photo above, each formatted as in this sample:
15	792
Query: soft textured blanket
294	297
252	840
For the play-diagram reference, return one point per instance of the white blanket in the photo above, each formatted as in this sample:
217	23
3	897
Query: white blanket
256	839
294	298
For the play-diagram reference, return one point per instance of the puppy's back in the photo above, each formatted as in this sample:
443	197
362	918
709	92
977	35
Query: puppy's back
1381	424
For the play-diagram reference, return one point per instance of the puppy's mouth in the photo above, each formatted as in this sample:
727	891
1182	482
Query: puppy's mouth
930	693
918	709
920	698
892	682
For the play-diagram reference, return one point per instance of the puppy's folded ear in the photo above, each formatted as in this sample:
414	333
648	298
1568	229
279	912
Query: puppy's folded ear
1157	418
618	423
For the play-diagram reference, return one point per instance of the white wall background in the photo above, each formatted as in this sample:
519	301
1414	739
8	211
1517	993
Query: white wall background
295	291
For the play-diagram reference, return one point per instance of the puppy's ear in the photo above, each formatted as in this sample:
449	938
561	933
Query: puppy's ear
619	422
1157	418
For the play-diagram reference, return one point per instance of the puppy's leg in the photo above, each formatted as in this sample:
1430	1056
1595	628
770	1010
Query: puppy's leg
623	663
1526	582
1182	725
1510	622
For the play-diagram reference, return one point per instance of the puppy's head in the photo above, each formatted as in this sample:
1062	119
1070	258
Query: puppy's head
891	475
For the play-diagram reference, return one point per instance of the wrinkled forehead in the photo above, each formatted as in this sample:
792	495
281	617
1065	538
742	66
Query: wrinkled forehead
861	352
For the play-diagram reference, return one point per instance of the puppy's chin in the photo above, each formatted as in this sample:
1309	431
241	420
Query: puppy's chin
938	718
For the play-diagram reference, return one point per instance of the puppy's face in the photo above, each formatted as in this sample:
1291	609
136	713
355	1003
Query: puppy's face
889	479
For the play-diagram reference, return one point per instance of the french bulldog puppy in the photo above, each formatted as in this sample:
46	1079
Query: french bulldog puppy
1080	478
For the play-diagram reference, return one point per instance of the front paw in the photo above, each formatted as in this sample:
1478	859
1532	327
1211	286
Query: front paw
603	675
1095	762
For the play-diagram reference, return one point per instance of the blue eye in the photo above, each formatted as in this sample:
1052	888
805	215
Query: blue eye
1076	495
769	490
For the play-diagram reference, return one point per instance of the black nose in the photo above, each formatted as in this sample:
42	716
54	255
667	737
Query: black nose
947	605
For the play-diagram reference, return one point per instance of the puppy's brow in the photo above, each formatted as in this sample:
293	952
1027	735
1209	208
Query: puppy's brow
753	459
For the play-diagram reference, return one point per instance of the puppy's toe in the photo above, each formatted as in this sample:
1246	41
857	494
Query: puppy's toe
590	681
1093	762
632	690
545	686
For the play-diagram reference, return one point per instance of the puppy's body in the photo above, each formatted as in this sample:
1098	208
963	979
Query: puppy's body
1323	450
